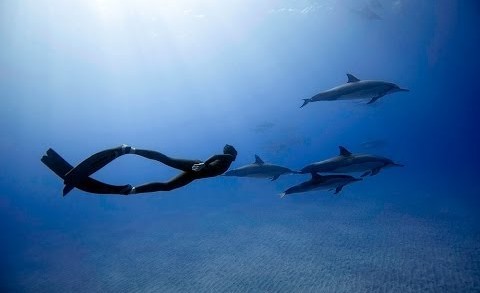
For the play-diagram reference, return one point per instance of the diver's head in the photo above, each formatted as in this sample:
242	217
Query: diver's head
230	150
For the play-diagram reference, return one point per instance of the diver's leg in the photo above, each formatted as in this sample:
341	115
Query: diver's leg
94	186
94	163
181	164
61	167
181	180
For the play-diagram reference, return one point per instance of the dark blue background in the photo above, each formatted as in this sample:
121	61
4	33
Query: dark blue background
188	77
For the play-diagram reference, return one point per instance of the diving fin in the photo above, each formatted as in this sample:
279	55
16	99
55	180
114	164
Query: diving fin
59	166
67	188
56	163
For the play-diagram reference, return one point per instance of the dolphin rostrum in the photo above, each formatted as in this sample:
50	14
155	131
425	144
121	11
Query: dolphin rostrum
356	89
318	181
347	162
260	169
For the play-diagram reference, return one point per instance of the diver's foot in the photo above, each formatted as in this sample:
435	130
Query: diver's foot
128	189
126	149
123	150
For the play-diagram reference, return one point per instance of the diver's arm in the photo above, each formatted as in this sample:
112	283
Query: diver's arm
219	157
197	167
200	166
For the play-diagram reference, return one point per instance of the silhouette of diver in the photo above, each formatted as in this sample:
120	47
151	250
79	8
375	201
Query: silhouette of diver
79	176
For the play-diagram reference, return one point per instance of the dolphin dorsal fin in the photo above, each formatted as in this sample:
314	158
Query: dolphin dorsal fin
316	175
258	160
352	78
344	152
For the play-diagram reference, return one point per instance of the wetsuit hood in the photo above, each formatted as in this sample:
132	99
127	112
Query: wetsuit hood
230	150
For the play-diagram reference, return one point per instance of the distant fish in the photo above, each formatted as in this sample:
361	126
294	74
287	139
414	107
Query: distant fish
260	169
356	89
317	182
346	162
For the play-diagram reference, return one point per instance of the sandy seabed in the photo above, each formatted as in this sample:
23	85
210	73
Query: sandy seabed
317	243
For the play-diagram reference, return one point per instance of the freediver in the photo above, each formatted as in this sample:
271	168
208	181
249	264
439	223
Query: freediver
191	170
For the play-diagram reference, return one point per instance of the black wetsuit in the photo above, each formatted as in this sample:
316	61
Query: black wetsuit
214	166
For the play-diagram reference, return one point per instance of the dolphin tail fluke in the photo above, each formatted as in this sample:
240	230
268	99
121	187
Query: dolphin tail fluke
305	102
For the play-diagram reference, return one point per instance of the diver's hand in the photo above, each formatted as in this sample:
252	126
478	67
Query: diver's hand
198	167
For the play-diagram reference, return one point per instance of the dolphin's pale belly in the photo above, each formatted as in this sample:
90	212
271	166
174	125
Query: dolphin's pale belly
327	185
331	184
361	94
313	187
258	171
255	174
359	167
260	175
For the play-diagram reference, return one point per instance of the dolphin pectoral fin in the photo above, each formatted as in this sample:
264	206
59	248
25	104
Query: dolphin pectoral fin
338	189
374	99
375	171
366	173
275	177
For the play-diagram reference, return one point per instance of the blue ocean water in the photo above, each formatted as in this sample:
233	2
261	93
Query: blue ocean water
184	78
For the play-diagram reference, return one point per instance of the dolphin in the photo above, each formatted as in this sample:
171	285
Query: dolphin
347	162
356	89
318	181
260	169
